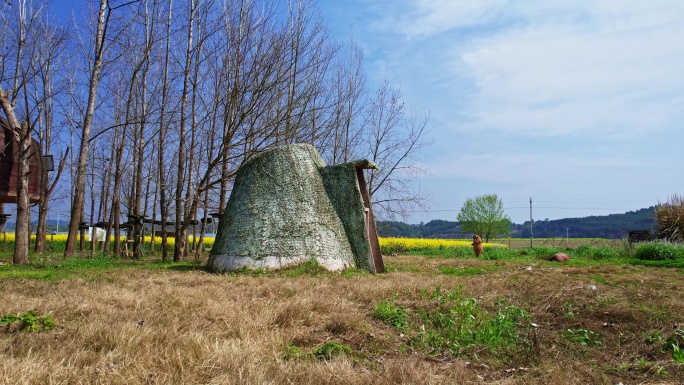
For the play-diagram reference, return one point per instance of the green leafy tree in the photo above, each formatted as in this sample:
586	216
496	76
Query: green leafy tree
484	215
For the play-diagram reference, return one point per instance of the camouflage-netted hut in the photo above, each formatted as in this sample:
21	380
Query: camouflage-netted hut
287	207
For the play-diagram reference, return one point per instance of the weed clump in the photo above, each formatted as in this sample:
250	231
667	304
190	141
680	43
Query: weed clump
28	321
583	337
450	323
392	315
456	324
331	349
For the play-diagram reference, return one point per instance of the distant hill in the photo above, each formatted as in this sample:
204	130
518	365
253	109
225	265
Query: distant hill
613	226
51	225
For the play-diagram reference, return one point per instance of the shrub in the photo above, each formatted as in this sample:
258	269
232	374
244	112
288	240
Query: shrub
495	253
659	251
545	251
600	253
583	251
670	219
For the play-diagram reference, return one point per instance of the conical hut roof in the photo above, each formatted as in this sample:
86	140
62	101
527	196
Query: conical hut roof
286	208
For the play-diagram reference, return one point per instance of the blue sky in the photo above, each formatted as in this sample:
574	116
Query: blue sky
575	104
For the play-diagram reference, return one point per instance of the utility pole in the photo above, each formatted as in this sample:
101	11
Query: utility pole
531	236
567	232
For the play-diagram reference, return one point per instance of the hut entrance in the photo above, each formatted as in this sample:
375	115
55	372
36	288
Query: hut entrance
369	219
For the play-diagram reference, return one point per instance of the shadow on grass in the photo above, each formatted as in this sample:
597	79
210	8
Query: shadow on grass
188	267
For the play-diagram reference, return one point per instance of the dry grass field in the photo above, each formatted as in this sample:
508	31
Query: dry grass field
177	324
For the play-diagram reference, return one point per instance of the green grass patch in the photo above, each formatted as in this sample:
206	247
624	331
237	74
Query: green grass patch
55	267
598	278
677	353
448	322
457	324
293	352
655	254
663	263
331	349
446	252
583	337
462	271
308	268
392	315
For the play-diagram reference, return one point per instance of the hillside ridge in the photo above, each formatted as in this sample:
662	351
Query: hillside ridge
612	226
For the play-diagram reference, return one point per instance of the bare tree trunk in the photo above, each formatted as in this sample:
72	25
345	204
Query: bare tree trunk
149	40
41	229
161	167
79	193
23	224
181	229
200	244
108	215
153	233
21	134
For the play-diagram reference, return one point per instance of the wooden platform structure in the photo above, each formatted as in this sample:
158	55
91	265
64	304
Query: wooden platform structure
9	167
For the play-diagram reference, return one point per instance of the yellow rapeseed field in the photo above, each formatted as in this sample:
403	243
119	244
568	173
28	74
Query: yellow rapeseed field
62	238
414	244
388	245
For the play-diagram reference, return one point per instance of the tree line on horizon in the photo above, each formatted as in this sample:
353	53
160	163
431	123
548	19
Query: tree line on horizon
613	226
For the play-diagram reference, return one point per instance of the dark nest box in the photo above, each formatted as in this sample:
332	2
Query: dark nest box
9	167
287	207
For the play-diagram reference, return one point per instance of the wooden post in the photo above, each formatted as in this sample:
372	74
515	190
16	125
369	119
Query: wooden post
81	227
92	241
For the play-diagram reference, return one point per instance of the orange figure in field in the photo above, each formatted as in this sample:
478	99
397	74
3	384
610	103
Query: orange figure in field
477	245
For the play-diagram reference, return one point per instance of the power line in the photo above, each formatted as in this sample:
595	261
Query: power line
527	207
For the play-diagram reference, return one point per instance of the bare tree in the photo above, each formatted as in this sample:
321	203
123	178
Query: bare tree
23	17
140	143
181	229
349	85
47	47
395	139
78	202
231	80
161	167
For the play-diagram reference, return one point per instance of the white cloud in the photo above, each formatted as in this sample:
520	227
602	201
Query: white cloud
580	98
424	18
540	67
616	70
